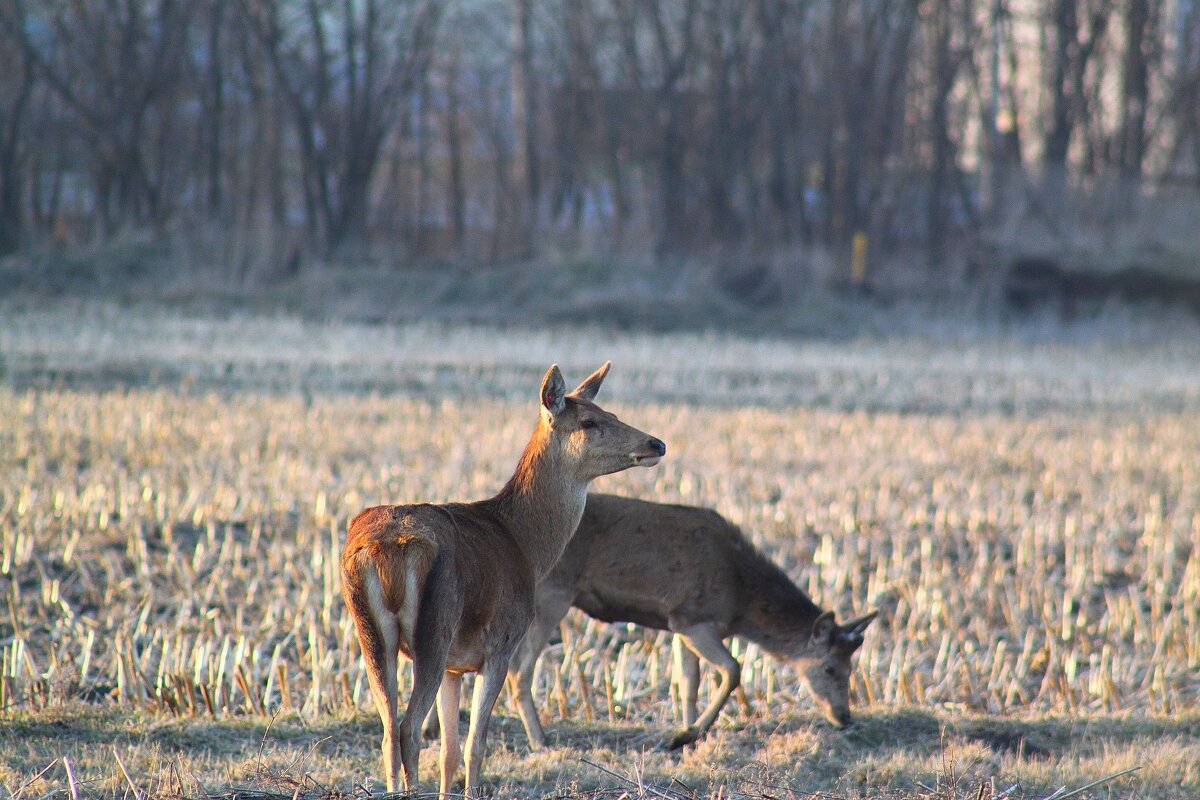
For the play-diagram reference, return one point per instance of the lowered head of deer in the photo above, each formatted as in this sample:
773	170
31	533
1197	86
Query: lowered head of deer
824	664
584	439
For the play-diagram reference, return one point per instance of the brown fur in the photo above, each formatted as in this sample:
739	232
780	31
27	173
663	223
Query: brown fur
691	571
452	586
375	530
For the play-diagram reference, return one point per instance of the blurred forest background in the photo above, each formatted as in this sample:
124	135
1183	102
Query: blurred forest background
755	147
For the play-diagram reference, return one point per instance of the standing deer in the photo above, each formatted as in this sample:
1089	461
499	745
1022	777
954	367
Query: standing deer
690	571
452	586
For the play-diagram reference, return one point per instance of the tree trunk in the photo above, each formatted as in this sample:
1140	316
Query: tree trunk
454	144
1065	33
216	121
943	82
11	196
1135	87
524	106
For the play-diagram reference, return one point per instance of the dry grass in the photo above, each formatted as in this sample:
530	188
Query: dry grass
167	556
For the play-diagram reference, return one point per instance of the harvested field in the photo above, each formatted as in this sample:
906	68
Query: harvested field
173	493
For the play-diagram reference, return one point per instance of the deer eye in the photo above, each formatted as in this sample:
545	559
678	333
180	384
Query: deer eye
830	670
587	425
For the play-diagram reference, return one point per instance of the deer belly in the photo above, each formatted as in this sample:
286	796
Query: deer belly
614	608
463	657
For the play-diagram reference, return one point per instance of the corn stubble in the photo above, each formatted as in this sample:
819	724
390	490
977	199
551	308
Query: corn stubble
176	552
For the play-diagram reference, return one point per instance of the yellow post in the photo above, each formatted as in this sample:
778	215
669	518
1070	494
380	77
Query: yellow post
858	258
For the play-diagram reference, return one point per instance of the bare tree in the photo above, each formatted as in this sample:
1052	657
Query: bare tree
947	59
369	126
16	89
725	35
1185	92
215	105
525	119
780	100
345	72
112	63
661	74
1071	53
1141	22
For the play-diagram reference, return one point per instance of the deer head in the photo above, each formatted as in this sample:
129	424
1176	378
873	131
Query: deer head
824	666
588	440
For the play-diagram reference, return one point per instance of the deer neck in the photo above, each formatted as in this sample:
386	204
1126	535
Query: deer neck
542	503
778	615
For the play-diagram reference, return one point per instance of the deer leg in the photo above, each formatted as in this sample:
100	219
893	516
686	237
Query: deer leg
551	607
687	679
384	688
434	631
447	715
426	679
431	728
704	641
487	688
379	637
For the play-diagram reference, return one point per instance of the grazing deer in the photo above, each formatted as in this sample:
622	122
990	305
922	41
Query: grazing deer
690	571
452	586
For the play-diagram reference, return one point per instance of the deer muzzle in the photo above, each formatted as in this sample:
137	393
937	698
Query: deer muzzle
650	453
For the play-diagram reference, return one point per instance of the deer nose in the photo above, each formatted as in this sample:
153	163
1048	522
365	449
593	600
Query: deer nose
657	446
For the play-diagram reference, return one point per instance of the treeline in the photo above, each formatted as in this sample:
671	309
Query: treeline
486	129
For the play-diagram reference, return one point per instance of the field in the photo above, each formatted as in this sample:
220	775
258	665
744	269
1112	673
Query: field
1025	513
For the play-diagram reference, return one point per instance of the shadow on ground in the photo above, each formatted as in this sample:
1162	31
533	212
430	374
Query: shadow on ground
891	753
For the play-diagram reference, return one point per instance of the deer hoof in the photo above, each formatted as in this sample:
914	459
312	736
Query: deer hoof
679	739
431	731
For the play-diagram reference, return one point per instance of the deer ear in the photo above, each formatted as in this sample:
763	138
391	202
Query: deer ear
850	635
824	628
859	626
553	391
591	384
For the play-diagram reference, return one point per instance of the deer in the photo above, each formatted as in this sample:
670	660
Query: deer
452	586
690	571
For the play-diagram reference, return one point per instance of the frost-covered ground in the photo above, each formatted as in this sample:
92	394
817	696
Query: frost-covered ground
1023	509
1140	367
